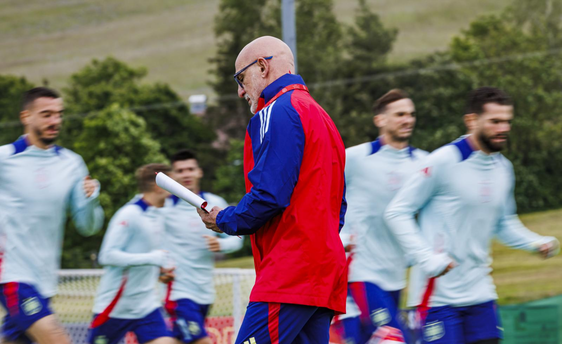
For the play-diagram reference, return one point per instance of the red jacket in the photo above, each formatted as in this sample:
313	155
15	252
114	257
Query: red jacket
294	161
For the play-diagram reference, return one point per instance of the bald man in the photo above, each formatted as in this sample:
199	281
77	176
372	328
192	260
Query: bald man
294	207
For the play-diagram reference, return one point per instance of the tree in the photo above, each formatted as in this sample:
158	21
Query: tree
111	81
126	145
11	90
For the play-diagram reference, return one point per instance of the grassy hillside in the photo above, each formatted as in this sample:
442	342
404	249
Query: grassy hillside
519	276
174	38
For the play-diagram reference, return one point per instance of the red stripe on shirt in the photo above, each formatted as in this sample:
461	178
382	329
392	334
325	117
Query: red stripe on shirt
273	322
104	316
170	305
359	293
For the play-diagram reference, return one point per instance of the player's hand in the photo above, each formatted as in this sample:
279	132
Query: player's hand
213	243
548	249
166	275
90	186
349	247
210	218
447	269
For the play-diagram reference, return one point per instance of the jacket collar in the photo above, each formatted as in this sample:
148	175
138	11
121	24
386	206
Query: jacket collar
275	87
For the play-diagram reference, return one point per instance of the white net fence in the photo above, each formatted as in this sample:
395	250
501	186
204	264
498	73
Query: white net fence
77	289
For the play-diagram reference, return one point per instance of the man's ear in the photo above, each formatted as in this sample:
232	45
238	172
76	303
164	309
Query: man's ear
264	66
24	117
470	121
380	120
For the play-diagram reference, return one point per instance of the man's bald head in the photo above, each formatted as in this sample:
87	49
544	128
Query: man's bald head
258	76
282	62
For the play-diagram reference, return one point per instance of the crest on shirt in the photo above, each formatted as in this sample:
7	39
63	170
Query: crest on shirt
394	181
31	306
433	331
380	317
426	172
485	191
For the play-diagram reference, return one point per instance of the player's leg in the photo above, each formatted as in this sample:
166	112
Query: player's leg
48	330
266	323
348	330
189	322
152	329
443	325
317	328
29	316
482	323
378	307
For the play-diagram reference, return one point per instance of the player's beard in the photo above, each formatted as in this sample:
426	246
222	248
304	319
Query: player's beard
491	146
397	137
46	140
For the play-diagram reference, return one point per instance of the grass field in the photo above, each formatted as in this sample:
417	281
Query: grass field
519	276
174	38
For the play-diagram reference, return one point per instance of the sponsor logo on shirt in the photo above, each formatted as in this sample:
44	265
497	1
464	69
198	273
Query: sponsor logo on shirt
433	331
426	172
31	306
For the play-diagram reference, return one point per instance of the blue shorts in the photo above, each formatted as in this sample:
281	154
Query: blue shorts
378	308
146	329
24	306
188	319
462	325
282	323
349	330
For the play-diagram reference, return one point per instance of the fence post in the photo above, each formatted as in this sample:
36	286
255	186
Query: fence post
236	296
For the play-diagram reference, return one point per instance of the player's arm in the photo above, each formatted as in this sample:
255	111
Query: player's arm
513	233
118	234
274	176
400	217
86	211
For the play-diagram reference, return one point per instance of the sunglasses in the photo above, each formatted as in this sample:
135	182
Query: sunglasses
237	76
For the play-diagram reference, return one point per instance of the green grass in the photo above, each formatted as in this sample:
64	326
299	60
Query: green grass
174	38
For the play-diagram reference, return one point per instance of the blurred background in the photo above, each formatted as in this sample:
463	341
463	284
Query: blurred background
141	79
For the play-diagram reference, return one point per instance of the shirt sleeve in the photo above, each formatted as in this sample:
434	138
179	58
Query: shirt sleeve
400	217
512	232
277	161
119	233
87	213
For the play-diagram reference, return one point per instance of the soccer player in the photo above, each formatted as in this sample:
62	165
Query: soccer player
192	249
464	195
39	183
133	258
374	172
294	206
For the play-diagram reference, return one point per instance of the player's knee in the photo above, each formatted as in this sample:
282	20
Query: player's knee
205	340
48	330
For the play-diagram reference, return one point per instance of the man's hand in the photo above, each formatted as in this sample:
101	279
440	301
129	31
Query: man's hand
447	269
549	249
166	275
349	247
90	186
210	218
212	243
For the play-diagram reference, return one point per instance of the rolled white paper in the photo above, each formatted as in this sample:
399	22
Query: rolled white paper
179	190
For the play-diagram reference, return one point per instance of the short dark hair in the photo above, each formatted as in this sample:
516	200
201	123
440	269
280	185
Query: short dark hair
485	95
146	175
389	97
183	154
35	93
